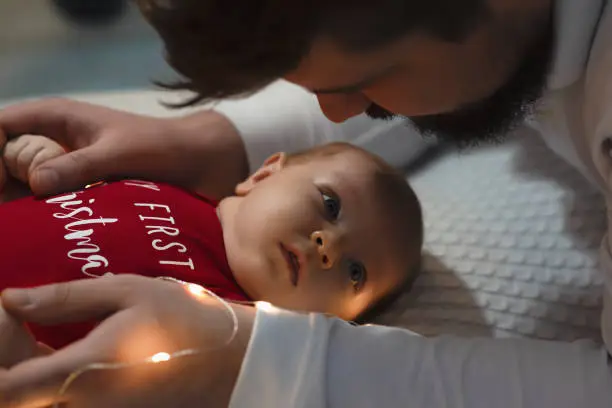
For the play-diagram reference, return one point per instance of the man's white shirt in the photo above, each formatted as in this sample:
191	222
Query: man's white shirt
297	360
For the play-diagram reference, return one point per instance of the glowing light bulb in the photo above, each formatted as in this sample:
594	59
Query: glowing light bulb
196	290
160	357
94	184
264	306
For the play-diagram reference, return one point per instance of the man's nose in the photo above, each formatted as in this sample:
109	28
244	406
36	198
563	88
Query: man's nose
327	246
340	107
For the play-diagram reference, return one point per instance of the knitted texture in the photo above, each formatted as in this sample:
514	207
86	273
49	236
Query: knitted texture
512	238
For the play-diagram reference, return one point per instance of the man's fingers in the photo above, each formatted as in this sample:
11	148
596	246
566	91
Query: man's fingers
27	152
47	117
71	171
70	302
46	150
3	176
37	381
43	350
2	134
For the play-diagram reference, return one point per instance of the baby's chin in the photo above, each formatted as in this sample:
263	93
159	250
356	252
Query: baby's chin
244	272
226	211
350	316
345	313
255	273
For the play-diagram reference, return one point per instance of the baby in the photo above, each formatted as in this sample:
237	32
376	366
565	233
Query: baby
333	229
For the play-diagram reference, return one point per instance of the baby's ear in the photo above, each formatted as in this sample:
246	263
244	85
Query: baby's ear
273	164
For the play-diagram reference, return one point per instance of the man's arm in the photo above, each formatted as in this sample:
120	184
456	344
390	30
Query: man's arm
200	151
209	151
292	360
301	361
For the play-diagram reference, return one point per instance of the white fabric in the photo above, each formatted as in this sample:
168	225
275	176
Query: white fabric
512	234
324	362
321	362
576	25
286	118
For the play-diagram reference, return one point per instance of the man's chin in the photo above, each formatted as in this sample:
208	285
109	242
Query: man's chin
457	129
466	137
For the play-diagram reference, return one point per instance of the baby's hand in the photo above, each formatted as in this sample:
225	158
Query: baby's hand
16	344
23	154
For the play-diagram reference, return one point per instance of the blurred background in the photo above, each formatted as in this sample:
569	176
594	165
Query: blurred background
51	47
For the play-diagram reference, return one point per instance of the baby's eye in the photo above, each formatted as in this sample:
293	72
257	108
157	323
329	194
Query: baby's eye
357	274
331	204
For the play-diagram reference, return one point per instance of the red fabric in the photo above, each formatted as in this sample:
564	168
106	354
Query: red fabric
124	227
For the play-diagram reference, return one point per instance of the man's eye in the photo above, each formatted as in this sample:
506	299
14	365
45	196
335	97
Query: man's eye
332	205
357	274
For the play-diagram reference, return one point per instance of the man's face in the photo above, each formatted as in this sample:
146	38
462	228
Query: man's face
464	93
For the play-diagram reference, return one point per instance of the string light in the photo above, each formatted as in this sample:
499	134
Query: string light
199	292
162	357
264	306
196	290
99	183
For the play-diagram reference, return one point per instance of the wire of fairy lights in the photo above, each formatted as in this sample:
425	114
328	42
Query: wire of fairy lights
161	357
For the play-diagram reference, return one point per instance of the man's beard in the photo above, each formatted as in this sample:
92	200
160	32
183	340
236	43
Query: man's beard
489	120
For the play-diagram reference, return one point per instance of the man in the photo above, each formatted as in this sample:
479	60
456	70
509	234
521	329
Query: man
467	71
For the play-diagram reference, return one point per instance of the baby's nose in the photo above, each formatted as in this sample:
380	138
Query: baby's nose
327	248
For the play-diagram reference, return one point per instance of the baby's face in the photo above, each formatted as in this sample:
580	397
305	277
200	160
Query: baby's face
312	236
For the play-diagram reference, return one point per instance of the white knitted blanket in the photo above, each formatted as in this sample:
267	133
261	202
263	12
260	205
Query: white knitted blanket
512	236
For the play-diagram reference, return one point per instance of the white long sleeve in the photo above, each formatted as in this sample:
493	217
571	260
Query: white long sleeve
309	361
285	117
597	137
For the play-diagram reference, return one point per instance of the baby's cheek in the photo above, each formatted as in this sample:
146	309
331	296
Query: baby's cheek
336	304
358	305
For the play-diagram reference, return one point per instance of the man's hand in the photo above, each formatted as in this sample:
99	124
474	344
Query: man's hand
202	151
25	153
135	325
16	344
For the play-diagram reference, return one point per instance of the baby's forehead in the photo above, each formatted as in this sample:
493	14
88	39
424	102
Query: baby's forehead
352	167
358	156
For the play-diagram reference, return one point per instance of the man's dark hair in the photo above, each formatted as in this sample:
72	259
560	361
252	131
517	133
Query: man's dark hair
224	48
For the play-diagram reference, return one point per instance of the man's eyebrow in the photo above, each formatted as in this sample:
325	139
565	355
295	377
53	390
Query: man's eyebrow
355	87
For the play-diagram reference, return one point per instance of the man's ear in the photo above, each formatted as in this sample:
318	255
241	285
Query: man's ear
273	164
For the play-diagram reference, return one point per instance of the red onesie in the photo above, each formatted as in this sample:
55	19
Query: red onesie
138	227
